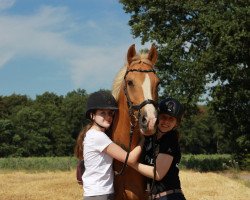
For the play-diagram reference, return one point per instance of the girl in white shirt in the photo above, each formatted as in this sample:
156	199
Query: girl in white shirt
98	150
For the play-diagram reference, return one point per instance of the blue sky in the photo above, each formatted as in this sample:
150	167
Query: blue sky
61	45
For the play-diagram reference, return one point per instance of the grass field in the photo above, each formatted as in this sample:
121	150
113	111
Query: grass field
62	186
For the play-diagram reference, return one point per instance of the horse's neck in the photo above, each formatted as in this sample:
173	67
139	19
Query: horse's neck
121	127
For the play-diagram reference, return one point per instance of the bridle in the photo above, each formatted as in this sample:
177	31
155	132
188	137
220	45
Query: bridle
137	107
132	108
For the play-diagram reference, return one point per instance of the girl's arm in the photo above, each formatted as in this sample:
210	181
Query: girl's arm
163	163
116	152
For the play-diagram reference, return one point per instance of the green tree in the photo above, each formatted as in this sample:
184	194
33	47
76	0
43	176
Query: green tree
203	52
73	109
30	138
46	126
202	133
12	104
60	140
6	137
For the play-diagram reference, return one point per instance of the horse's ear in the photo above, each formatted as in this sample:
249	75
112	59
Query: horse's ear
152	54
131	53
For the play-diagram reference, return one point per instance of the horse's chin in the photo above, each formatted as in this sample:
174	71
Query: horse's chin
148	132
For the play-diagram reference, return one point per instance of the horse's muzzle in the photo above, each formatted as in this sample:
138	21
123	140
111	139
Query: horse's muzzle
147	125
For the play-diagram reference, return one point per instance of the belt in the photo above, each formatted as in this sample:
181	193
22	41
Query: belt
165	193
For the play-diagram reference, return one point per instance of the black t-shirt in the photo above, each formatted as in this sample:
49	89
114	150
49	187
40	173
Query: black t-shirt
167	144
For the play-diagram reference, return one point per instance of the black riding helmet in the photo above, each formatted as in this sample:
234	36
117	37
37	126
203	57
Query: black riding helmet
100	100
171	107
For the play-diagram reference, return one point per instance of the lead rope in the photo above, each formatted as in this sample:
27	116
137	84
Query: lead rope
154	161
129	148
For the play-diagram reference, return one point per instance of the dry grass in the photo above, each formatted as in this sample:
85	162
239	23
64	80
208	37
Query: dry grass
39	186
62	186
212	186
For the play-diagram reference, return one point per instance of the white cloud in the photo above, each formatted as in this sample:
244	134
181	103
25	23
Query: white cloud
5	4
4	58
41	33
97	67
48	34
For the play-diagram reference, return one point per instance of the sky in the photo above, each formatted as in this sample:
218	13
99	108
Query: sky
62	45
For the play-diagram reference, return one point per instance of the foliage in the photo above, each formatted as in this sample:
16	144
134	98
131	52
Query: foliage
204	163
49	125
202	134
46	126
203	56
7	137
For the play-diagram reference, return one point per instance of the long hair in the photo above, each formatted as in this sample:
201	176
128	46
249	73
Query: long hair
78	151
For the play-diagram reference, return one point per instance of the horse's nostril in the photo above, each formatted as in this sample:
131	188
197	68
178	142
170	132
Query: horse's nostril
144	120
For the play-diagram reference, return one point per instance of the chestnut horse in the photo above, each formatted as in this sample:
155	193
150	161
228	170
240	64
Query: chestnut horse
136	91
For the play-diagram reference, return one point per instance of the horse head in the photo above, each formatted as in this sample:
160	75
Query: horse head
141	88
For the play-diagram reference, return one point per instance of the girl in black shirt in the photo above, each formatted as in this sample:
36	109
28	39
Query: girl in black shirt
161	154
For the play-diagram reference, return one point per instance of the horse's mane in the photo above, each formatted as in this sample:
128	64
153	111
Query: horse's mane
120	75
118	82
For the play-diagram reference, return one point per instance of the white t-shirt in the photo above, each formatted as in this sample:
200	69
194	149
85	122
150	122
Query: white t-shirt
98	176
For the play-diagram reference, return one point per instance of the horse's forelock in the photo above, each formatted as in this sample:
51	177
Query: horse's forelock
140	57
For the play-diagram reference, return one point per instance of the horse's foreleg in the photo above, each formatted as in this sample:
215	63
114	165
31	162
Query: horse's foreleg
132	196
130	186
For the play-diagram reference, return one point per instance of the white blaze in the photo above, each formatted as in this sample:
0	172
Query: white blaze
146	87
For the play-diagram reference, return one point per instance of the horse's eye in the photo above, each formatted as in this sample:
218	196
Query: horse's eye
130	83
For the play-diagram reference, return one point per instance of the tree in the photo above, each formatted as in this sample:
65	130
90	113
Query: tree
203	51
202	133
30	138
60	141
6	137
12	104
73	110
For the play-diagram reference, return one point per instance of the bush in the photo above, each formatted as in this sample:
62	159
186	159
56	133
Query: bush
38	163
204	163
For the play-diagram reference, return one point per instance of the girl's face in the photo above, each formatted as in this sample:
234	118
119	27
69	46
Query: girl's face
104	117
166	123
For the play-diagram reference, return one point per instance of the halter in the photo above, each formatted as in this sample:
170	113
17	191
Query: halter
132	108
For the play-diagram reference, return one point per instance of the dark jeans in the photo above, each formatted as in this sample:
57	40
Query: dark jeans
175	196
100	197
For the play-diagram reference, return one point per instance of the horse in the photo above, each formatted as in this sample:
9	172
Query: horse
136	90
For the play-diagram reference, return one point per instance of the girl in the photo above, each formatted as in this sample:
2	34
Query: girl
162	154
98	150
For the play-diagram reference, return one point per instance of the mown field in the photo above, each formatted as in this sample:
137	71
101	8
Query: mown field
61	185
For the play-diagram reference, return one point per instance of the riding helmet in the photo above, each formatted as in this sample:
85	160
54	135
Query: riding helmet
100	100
171	107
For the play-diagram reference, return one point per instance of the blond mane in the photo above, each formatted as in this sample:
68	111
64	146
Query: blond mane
120	75
118	82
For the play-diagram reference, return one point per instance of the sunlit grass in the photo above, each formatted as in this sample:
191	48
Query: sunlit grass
63	186
212	186
39	186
